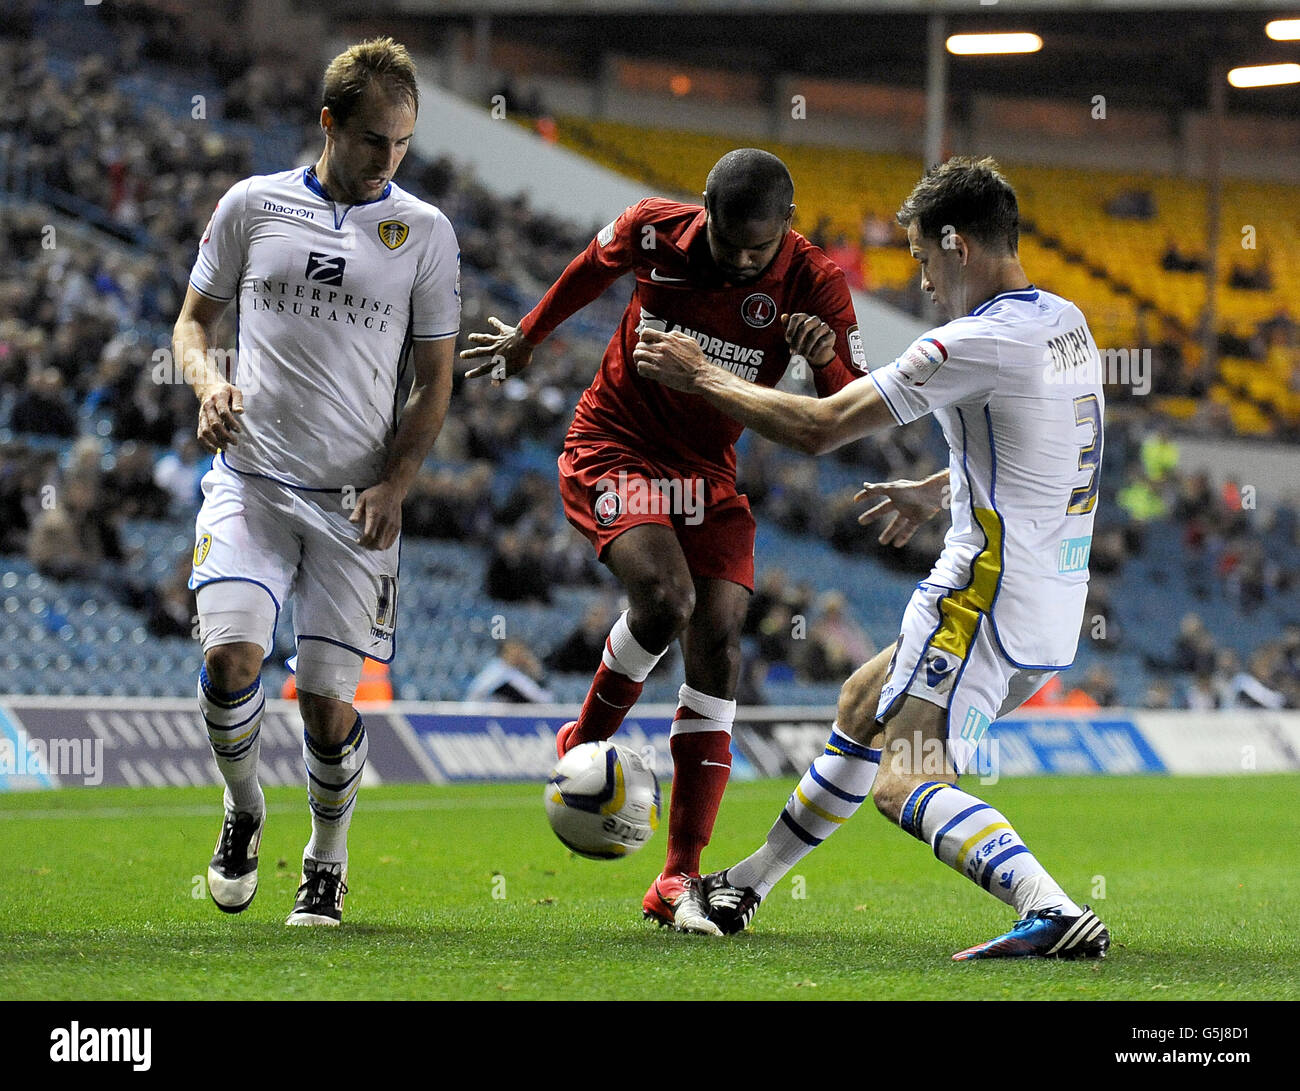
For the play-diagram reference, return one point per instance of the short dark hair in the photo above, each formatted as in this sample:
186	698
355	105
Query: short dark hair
357	67
749	184
967	195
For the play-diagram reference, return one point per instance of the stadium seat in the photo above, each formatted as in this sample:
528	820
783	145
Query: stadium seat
839	185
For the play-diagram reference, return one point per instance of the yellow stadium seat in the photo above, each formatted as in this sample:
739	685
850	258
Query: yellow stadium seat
843	185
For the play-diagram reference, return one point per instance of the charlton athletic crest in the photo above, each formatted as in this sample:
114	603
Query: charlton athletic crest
758	310
609	505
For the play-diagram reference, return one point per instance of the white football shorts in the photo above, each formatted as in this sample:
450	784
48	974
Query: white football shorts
948	654
297	542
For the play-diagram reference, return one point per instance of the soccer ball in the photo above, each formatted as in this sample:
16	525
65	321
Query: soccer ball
602	800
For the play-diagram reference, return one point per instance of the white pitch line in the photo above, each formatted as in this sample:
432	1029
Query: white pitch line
275	808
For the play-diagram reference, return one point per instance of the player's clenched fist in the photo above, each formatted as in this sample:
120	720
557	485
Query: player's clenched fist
808	336
219	411
673	359
507	351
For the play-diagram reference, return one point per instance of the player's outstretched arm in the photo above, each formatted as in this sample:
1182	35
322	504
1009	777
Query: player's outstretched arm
910	503
220	401
811	425
379	509
509	350
504	353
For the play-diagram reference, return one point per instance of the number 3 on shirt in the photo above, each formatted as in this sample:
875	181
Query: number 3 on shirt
1084	498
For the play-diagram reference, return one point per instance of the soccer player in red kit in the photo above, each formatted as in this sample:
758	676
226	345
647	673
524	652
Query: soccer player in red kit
649	474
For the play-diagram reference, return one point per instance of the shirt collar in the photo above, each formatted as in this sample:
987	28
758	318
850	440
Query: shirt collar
1030	294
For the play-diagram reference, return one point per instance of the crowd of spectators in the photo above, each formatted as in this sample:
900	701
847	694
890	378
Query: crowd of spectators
1230	550
815	634
82	316
1212	676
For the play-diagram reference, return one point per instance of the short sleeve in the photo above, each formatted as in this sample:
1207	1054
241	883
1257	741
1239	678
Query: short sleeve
223	250
435	294
947	366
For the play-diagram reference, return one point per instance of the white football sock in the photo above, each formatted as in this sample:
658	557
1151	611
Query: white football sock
831	791
971	837
333	777
234	723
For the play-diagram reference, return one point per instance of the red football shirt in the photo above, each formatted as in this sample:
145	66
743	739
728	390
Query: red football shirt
678	288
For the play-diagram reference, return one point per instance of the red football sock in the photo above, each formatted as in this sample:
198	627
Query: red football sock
701	766
611	696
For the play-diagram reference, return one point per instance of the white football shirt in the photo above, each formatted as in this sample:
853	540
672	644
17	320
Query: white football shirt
327	295
1016	387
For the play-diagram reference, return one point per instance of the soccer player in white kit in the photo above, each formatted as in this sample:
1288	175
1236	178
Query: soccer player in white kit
348	297
1014	379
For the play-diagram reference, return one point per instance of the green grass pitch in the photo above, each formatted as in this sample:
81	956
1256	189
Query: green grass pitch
464	893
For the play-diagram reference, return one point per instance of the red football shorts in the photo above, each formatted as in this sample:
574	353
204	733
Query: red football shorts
608	489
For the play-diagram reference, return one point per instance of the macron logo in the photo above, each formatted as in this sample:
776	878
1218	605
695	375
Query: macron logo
116	1045
301	213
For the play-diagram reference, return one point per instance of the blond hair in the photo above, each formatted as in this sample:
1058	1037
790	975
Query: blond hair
379	60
